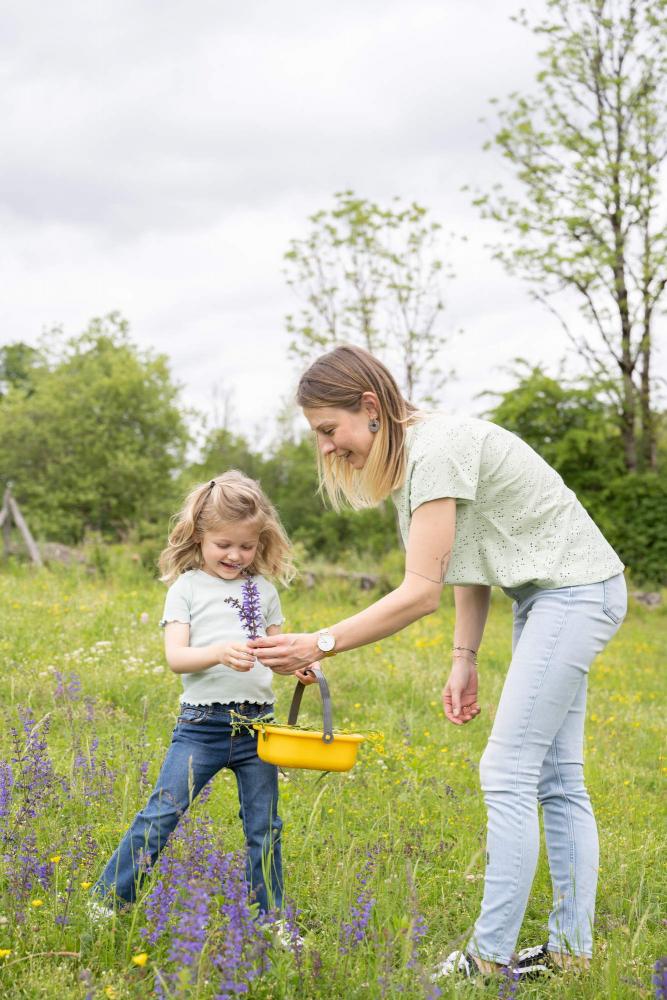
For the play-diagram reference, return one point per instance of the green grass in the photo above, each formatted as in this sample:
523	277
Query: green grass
413	795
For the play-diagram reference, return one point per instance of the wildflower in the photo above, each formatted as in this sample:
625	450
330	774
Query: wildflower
4	952
354	931
54	859
140	959
110	992
37	902
510	983
660	979
249	609
6	785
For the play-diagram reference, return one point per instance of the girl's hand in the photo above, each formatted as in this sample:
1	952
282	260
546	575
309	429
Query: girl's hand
238	656
459	696
286	653
307	676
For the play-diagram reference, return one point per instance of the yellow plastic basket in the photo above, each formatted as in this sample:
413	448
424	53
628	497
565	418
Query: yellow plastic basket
325	751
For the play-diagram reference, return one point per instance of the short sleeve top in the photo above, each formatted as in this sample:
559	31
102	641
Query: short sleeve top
516	520
199	600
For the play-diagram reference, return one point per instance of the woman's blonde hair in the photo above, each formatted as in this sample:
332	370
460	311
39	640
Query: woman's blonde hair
339	379
229	497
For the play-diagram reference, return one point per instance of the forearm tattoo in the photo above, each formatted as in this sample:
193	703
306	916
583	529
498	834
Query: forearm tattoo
444	562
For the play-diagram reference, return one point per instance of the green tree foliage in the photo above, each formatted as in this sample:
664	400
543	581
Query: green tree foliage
570	424
96	442
573	427
18	365
370	276
586	214
632	516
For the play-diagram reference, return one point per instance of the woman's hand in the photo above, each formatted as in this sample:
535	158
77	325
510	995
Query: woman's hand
459	695
287	653
237	655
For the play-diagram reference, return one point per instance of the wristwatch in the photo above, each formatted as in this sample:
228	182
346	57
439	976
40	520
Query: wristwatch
326	642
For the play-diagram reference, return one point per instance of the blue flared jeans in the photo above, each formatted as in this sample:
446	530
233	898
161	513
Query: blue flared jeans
535	754
204	741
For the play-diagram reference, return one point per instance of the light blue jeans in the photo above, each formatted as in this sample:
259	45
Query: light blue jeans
535	754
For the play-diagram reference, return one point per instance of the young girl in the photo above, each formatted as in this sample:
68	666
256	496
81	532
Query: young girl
227	534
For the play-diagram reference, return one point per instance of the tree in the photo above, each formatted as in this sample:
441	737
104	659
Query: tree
570	423
573	426
98	441
370	276
587	152
18	364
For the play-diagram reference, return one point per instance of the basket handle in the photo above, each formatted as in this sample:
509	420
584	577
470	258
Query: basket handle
327	735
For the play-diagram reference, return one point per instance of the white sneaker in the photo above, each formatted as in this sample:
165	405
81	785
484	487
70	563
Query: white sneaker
283	936
458	964
99	911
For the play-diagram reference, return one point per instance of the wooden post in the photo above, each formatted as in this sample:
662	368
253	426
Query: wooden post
10	510
5	521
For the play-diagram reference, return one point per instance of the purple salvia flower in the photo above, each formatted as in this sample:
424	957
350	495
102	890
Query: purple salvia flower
6	785
418	928
189	933
510	983
353	931
290	917
249	608
659	979
144	780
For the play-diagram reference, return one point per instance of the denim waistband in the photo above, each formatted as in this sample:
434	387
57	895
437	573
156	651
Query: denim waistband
239	707
528	590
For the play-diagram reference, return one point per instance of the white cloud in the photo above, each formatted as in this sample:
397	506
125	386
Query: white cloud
158	158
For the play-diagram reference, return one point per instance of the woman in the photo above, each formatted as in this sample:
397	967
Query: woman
479	508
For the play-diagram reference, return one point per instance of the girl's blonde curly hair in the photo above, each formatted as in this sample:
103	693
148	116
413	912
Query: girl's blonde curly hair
231	496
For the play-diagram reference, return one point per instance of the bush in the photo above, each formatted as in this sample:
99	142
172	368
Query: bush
631	514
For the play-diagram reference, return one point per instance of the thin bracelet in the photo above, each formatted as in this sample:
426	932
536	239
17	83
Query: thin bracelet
466	649
462	656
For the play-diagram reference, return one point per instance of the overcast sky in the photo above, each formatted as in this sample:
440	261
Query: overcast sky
157	157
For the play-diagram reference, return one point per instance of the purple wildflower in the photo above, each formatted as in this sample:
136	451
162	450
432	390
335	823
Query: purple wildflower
510	983
6	785
659	979
418	928
189	934
68	688
200	891
249	609
353	931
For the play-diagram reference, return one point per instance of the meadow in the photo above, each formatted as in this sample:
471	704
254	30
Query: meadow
383	864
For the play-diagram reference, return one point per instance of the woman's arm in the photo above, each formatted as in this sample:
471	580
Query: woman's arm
472	609
459	696
430	543
186	659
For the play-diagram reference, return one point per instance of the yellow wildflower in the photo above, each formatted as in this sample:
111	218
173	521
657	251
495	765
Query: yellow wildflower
110	992
140	959
86	885
37	902
55	859
4	952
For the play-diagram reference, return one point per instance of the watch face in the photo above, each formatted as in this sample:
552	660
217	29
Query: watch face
326	643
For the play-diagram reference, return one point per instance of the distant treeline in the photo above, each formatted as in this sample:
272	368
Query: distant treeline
93	439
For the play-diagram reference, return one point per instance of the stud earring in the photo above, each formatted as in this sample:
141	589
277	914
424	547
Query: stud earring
374	425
